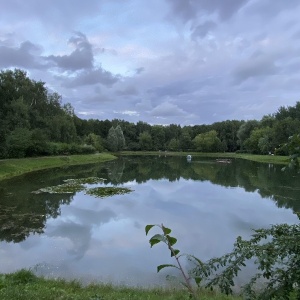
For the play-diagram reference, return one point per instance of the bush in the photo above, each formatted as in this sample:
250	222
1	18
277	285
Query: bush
276	252
68	149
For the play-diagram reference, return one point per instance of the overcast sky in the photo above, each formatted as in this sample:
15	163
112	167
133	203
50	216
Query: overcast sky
160	61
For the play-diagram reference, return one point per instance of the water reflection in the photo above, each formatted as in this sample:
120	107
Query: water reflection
207	204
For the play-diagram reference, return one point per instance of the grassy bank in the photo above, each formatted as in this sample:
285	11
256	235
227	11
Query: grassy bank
274	159
14	167
25	285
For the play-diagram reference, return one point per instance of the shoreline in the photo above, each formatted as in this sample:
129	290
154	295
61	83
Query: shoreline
10	168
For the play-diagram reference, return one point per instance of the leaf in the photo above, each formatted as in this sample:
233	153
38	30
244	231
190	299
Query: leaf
165	266
156	239
172	241
198	280
174	252
148	227
166	230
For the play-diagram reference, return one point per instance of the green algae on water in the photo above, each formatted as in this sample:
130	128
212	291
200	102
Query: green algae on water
88	180
102	192
70	186
78	185
66	188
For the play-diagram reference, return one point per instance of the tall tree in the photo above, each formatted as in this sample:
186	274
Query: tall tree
120	138
112	139
145	141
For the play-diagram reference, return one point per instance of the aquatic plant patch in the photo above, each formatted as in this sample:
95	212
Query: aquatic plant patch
78	185
66	188
102	192
70	186
88	180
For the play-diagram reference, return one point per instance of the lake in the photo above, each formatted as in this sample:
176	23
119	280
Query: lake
207	205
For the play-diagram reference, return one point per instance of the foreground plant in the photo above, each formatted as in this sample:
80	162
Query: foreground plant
170	242
275	251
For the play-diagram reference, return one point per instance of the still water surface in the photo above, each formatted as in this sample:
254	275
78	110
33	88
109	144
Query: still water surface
207	205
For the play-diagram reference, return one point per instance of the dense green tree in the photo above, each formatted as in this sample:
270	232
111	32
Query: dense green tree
158	137
245	130
112	140
172	131
289	111
27	104
284	129
120	138
185	140
227	133
17	142
145	141
260	141
208	142
173	145
95	141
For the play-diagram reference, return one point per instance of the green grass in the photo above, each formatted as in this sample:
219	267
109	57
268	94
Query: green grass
14	167
25	285
274	159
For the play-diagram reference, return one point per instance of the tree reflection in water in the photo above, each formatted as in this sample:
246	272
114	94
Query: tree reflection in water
23	213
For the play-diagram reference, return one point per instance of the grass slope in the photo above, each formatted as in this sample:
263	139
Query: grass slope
25	285
14	167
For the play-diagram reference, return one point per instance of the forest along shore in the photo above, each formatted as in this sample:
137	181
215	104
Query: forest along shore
15	167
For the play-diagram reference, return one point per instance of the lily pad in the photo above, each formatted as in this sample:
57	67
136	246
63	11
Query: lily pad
102	192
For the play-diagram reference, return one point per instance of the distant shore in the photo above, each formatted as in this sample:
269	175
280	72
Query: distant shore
14	167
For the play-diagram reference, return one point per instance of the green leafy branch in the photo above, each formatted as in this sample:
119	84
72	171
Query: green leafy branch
170	241
275	251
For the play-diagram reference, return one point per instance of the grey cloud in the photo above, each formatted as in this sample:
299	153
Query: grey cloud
80	235
80	58
271	8
128	91
188	10
24	56
167	109
92	77
66	13
203	29
139	70
182	87
256	65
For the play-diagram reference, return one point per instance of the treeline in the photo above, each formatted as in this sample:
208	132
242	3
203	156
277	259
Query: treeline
35	122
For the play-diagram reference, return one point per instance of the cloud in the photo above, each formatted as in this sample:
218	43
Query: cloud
91	77
24	56
139	70
80	58
127	112
256	66
194	61
203	29
167	109
271	8
128	91
55	14
189	10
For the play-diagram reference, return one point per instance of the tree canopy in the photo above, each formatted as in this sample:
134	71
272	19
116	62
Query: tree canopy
34	121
